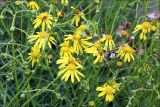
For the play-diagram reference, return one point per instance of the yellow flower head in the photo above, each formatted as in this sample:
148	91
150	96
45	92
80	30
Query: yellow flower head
114	84
107	91
44	19
126	52
78	42
145	27
64	2
68	60
66	50
99	57
42	39
109	43
33	5
34	55
77	16
97	50
70	71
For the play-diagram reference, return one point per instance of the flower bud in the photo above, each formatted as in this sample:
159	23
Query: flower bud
119	63
18	2
91	104
1	17
22	96
12	28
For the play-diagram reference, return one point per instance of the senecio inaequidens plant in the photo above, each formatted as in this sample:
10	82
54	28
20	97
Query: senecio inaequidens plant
82	41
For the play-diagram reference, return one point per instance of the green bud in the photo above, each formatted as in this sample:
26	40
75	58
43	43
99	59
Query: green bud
1	17
22	96
91	104
12	28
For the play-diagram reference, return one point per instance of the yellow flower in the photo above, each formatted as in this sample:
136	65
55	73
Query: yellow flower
70	70
97	50
106	91
44	19
109	43
66	50
18	2
126	52
99	57
64	1
145	27
77	16
78	42
114	84
68	60
34	55
42	38
33	5
80	29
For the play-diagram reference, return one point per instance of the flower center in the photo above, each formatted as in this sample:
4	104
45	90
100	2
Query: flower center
109	90
96	45
65	49
127	49
146	25
71	60
108	37
35	54
42	34
76	11
71	67
45	17
65	44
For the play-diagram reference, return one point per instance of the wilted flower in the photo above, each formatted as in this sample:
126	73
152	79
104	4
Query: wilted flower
112	56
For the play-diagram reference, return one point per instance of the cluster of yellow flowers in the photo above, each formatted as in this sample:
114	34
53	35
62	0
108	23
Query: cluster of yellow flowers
43	37
76	44
109	90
